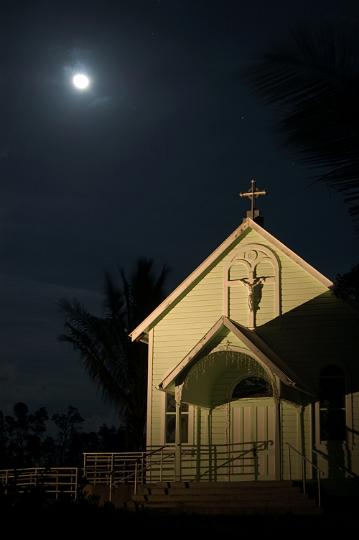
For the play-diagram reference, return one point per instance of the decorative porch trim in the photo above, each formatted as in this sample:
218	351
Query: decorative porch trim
252	341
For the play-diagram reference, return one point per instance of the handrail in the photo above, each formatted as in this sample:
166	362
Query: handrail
253	450
139	463
145	467
305	458
122	467
335	465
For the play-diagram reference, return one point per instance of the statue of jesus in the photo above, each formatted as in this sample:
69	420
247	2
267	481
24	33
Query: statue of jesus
252	284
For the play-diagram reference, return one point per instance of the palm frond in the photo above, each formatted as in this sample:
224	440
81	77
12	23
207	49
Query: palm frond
113	298
117	366
101	348
313	86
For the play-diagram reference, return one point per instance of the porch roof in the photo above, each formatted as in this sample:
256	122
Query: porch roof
255	344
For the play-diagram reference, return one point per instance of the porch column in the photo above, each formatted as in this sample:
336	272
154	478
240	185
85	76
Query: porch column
209	433
198	442
303	471
178	457
277	442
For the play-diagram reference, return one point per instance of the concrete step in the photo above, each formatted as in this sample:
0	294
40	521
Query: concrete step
225	500
214	486
225	511
230	503
220	492
224	484
225	497
220	509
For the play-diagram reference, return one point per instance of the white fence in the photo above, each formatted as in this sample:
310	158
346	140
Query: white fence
159	463
54	481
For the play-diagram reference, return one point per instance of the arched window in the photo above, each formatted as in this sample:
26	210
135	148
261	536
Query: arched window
252	387
332	404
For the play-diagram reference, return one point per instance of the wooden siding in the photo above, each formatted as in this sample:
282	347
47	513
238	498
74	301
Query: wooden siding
290	434
158	411
180	329
310	315
204	426
238	305
219	425
296	431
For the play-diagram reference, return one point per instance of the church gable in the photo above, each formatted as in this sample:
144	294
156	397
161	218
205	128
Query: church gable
264	270
252	284
253	281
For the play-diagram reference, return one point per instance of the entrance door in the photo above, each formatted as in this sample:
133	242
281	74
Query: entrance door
253	424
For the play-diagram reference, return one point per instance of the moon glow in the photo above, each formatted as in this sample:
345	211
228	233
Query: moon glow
81	81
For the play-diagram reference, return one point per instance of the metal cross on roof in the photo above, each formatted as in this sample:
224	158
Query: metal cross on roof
253	194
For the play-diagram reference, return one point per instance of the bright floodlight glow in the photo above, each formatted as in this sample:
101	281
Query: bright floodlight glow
81	81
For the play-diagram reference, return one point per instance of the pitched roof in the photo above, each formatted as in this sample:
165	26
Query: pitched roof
251	340
152	318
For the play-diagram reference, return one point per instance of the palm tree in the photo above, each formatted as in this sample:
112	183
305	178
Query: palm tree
116	365
313	83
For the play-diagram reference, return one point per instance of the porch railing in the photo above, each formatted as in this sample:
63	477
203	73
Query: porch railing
248	459
337	466
186	463
304	459
237	461
54	481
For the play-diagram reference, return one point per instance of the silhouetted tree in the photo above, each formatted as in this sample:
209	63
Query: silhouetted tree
24	441
49	452
25	433
67	436
111	439
3	440
347	285
313	82
118	366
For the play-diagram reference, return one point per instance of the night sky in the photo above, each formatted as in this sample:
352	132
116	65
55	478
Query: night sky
148	162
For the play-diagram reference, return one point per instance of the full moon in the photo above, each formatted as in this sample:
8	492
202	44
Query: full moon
81	81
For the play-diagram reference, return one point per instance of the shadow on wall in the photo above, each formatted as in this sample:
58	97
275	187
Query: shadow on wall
317	337
318	333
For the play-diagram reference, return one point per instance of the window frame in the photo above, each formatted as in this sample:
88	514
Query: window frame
164	414
347	408
258	395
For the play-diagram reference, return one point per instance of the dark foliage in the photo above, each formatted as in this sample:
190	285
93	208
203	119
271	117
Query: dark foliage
117	366
313	83
24	441
21	436
347	285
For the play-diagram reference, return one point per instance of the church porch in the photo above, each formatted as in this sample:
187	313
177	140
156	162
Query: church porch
237	429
